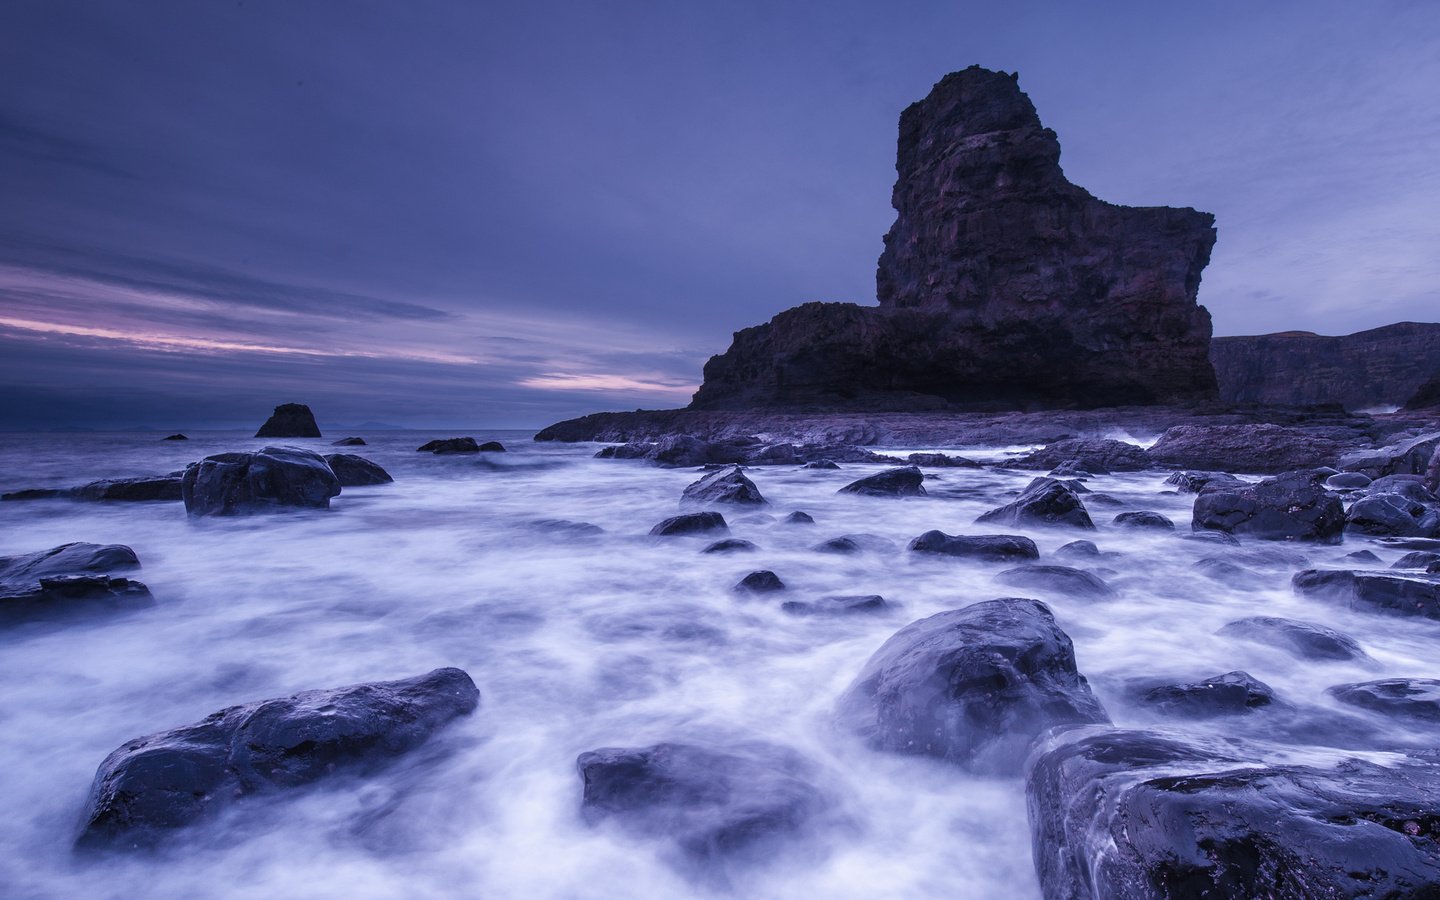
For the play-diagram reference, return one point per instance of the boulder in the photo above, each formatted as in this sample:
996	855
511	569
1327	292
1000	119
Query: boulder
68	559
155	784
355	471
1290	507
690	523
1396	595
941	461
1306	640
836	606
1393	515
1196	482
1045	501
1413	698
449	445
730	545
1139	814
710	803
349	442
901	482
988	547
974	686
762	582
290	420
1061	580
1093	455
725	486
231	484
1222	695
1143	519
1262	449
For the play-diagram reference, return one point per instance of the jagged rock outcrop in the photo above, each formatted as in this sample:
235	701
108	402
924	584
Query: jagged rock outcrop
1380	367
1002	285
290	420
1427	395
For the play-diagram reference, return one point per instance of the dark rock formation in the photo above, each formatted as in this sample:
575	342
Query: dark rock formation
1062	580
54	596
975	686
821	464
1380	367
68	559
164	781
349	442
1397	595
1045	501
1427	395
175	437
290	420
690	523
709	803
1415	698
1291	507
1395	515
232	484
836	606
724	486
165	487
1260	449
902	482
730	545
1307	640
1137	814
1142	519
1222	695
492	447
762	582
1095	456
356	471
449	445
941	461
989	547
1001	284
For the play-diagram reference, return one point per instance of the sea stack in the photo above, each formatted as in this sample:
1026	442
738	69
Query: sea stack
1001	286
290	420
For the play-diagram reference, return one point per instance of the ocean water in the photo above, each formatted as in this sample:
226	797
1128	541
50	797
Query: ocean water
579	643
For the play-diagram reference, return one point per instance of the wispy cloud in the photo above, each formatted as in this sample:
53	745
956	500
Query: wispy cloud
556	381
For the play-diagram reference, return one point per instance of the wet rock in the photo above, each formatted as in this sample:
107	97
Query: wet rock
175	437
567	527
1393	515
1292	507
1408	457
709	803
975	686
1410	543
989	547
690	523
1078	550
1092	455
1306	640
1347	481
1138	814
798	518
1226	572
1364	557
1044	501
762	582
68	559
356	471
36	494
727	486
1396	595
449	445
730	545
155	784
1222	695
836	606
857	543
492	447
290	420
1142	519
1416	559
901	482
1196	482
130	489
349	442
230	484
1414	698
1263	449
1059	579
941	461
1210	537
820	464
62	595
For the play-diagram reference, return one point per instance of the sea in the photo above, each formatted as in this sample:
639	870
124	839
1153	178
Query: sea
616	639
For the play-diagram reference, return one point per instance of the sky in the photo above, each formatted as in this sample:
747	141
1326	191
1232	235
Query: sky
446	214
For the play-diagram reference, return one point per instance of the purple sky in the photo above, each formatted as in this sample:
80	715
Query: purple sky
468	213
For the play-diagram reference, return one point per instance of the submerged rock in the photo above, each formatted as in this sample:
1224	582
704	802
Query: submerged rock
1142	519
1307	640
349	442
62	595
989	547
1291	507
175	437
902	482
77	558
975	686
1045	501
1415	698
165	487
1397	595
290	420
690	523
164	781
836	606
1140	814
762	582
1059	579
1222	695
230	484
354	471
726	486
730	545
449	445
798	518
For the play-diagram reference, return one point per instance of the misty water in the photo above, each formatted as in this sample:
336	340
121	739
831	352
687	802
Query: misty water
612	640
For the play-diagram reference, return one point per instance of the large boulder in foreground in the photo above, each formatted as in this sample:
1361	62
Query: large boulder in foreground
724	486
1291	507
1001	285
974	686
1141	814
1262	449
232	484
155	784
709	803
290	420
1045	501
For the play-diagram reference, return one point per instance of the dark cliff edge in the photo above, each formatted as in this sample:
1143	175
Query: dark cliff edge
1377	368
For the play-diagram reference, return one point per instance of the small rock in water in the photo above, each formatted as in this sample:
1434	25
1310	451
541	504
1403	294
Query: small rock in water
835	606
726	486
449	445
1416	559
902	482
1210	537
857	543
175	437
941	461
1347	481
798	518
290	420
355	471
492	447
167	487
1393	514
565	526
761	582
730	545
230	484
1078	550
1094	456
62	595
1367	557
1396	595
690	523
1045	501
1415	698
1222	695
1060	579
349	442
36	494
68	559
821	464
1198	482
1227	572
1142	519
1306	640
1288	507
990	547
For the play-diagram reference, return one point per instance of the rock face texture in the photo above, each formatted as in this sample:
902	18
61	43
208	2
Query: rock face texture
1380	367
1002	285
290	420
